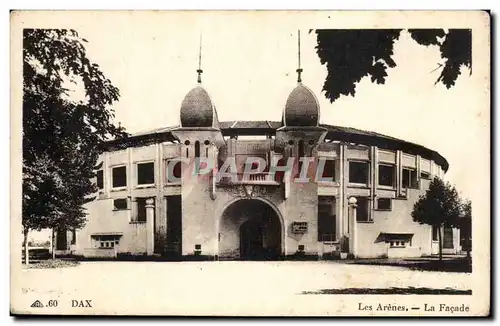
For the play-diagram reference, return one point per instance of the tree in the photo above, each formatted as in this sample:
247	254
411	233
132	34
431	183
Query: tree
465	225
61	136
350	55
440	206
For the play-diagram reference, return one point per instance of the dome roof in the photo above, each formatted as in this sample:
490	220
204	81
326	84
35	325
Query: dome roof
197	109
302	108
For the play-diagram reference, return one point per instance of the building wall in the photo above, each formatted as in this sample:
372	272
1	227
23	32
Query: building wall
205	201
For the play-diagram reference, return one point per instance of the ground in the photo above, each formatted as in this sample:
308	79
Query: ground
212	287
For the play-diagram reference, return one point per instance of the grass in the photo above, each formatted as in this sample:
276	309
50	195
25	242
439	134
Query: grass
392	290
52	263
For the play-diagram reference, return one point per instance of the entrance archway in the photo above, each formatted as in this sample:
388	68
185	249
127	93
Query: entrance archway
250	229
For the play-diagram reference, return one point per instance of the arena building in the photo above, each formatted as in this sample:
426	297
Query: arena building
161	193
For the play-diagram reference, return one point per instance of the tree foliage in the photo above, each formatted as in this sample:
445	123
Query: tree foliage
440	207
351	55
61	136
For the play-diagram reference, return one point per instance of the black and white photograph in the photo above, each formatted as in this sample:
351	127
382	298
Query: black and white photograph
239	163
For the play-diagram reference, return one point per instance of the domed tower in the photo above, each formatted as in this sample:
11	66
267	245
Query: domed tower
299	136
302	106
197	108
301	131
200	138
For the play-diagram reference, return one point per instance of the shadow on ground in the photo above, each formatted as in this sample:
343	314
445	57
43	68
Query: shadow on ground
392	290
450	265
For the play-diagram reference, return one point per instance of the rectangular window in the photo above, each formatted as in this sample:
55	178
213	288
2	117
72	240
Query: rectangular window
410	178
384	204
398	244
363	209
141	209
106	241
386	175
359	172
425	175
120	204
434	233
100	179
326	218
119	176
328	169
146	173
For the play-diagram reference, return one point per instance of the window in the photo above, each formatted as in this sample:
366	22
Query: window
145	173
358	172
106	241
176	172
100	179
410	178
141	209
425	175
384	204
329	169
302	153
386	175
363	209
398	244
119	177
434	233
120	204
326	218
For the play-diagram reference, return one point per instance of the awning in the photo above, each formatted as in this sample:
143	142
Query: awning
386	237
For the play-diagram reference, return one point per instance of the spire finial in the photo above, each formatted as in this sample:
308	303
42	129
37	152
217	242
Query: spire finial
199	71
299	70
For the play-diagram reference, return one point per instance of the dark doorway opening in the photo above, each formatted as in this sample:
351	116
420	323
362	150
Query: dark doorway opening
174	226
250	230
61	240
251	241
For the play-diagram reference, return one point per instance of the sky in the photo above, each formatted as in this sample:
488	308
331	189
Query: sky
249	70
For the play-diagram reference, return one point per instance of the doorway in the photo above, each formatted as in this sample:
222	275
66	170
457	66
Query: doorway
250	229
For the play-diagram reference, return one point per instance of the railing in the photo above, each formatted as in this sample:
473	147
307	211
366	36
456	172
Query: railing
250	178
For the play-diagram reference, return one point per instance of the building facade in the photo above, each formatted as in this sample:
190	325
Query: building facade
161	193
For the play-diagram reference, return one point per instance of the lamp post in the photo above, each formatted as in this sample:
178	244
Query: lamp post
352	202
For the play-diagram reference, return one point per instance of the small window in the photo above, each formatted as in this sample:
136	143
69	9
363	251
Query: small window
425	175
398	244
120	204
106	241
410	178
386	175
100	179
119	177
146	173
384	204
141	209
363	209
359	172
329	169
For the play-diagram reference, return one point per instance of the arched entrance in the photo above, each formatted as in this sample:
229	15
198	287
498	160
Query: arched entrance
250	229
